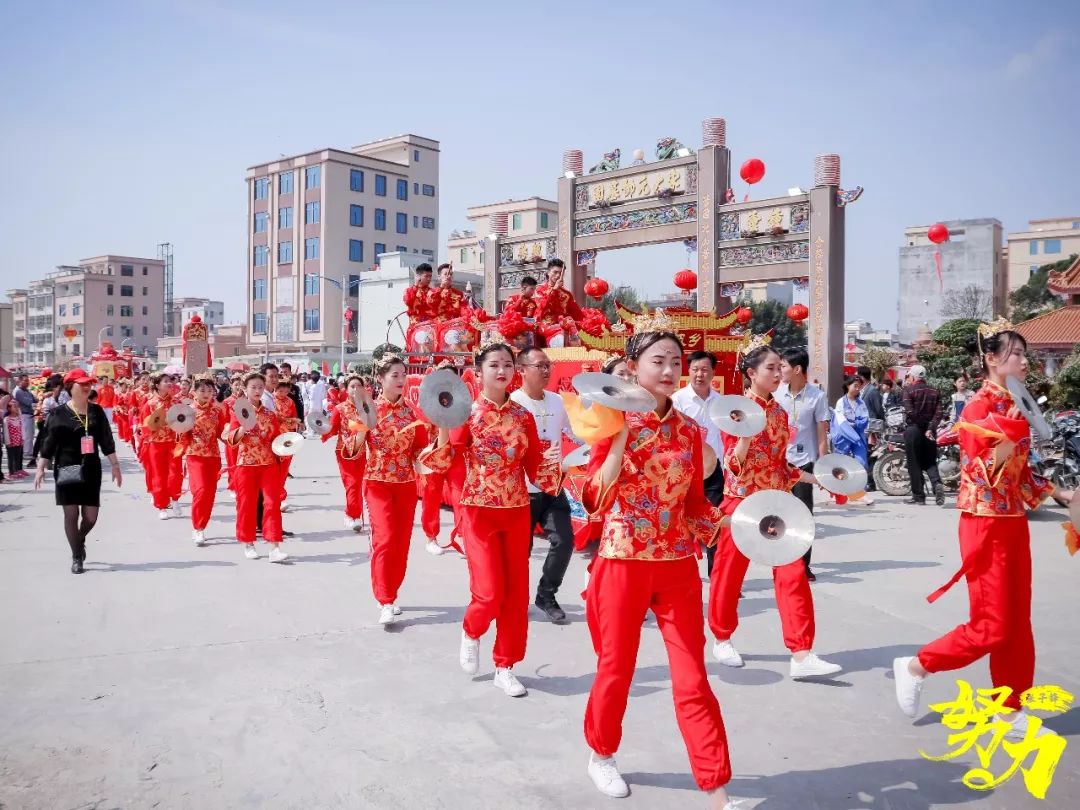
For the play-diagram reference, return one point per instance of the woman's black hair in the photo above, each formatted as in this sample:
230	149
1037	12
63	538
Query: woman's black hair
384	364
155	379
637	344
754	358
612	362
254	375
849	380
490	348
998	345
203	382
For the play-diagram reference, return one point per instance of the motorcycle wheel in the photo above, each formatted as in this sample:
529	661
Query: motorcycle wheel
891	475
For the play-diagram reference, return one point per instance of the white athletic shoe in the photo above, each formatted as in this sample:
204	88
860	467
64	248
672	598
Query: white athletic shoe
434	548
812	667
386	615
276	554
350	523
397	610
726	654
250	552
284	506
469	654
198	537
508	682
605	775
163	514
1019	722
908	686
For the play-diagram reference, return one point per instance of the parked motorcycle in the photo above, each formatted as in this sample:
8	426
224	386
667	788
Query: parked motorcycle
1058	458
890	467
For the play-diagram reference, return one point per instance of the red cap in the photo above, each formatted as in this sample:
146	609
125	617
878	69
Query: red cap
77	375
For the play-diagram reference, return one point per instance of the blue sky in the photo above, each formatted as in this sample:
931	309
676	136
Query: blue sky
131	123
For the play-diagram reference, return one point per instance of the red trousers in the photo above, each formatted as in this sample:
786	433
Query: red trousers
620	593
164	472
250	481
498	541
391	508
230	465
352	476
439	488
203	472
996	555
793	597
284	463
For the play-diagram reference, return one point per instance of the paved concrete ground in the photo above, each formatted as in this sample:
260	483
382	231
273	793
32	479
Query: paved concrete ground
180	677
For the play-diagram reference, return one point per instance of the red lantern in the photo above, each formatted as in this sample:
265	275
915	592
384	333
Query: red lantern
686	280
938	233
70	333
596	288
798	312
744	315
752	171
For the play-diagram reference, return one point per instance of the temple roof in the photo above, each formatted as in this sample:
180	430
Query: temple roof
1059	329
1067	281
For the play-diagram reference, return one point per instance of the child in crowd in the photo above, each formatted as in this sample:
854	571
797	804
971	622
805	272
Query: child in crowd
13	439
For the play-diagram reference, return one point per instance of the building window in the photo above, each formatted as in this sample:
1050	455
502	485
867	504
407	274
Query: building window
127	270
415	221
108	331
258	289
429	223
311	320
380	249
262	188
63	309
76	309
145	290
1033	248
380	185
356	180
517	222
428	253
108	289
311	213
1051	246
144	330
146	310
284	217
127	311
311	177
429	191
262	221
403	189
127	291
354	286
356	215
402	223
464	256
415	188
380	219
356	250
311	247
401	249
284	252
125	331
109	310
543	220
285	183
311	284
144	270
258	323
261	254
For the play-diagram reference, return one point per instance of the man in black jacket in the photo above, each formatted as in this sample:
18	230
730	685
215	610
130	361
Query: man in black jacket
922	406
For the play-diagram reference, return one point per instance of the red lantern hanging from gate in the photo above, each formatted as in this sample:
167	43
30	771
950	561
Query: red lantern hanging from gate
798	312
596	288
744	315
686	280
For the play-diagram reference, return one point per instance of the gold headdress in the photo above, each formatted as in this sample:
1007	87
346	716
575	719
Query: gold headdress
754	342
655	321
491	337
988	330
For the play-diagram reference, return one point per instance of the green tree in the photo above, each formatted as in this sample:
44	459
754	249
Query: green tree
879	359
787	334
1033	298
948	356
627	296
384	348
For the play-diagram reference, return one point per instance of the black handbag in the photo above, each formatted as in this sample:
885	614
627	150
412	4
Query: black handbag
69	475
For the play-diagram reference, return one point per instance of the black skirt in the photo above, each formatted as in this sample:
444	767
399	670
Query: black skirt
88	493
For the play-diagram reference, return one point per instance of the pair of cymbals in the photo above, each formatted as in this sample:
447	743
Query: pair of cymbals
772	527
318	422
612	392
287	444
840	475
1029	408
244	411
444	399
737	415
180	417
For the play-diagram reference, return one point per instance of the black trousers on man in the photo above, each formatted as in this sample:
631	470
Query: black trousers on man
714	493
805	493
552	512
921	458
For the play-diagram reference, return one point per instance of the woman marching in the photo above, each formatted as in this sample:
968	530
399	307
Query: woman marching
646	481
237	391
389	482
159	440
996	487
501	449
201	447
74	436
350	451
752	464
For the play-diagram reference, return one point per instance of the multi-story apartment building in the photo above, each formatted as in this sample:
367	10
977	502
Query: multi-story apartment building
211	312
325	215
1044	242
7	334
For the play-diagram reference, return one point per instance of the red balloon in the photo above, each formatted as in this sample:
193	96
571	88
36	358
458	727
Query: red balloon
798	312
744	315
938	233
686	280
596	288
752	171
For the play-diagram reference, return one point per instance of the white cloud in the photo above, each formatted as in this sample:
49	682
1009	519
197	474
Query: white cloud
1044	51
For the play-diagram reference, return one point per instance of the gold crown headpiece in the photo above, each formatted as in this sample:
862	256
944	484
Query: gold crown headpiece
655	321
491	337
754	342
988	330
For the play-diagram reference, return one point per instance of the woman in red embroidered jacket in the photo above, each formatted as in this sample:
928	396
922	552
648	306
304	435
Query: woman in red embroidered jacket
257	471
237	387
646	481
390	484
751	465
201	447
159	441
501	448
350	451
996	487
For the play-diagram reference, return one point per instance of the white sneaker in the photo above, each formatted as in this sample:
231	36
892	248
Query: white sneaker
163	514
1019	722
812	667
469	654
908	686
198	537
284	506
726	654
386	615
350	523
508	682
277	555
397	610
605	775
250	552
435	549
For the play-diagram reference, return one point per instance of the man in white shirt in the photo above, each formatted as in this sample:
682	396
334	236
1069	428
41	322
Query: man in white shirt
693	401
317	393
808	419
551	511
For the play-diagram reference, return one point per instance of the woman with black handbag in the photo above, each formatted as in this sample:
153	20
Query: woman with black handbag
76	431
